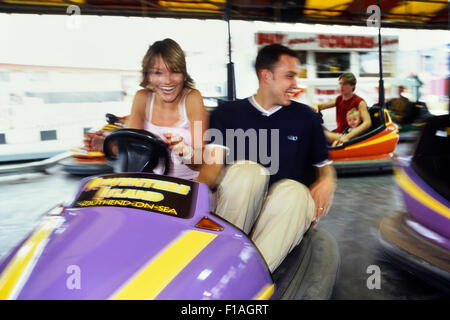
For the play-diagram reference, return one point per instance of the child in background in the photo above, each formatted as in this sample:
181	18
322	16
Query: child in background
353	120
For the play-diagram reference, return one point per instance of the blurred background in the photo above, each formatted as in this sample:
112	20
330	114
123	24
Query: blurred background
62	68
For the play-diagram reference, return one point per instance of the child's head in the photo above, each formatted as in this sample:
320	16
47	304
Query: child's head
353	118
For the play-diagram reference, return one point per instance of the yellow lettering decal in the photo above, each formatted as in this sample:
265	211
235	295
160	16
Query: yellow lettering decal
113	193
125	203
113	182
123	182
106	192
161	185
156	196
129	193
184	189
93	184
142	195
173	187
137	182
101	193
149	183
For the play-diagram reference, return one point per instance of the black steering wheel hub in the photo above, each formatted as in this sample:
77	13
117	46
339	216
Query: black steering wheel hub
137	150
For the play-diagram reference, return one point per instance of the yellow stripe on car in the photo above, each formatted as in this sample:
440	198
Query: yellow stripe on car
19	268
389	136
408	185
265	293
148	282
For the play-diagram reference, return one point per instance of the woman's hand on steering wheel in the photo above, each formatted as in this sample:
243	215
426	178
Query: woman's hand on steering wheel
93	141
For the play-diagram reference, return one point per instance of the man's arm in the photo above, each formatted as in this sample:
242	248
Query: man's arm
322	190
323	106
211	168
363	127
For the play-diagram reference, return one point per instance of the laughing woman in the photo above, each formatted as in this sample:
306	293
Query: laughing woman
168	107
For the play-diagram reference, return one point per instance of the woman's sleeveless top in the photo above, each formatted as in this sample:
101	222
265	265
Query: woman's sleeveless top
181	128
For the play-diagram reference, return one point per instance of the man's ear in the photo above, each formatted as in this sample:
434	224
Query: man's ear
265	75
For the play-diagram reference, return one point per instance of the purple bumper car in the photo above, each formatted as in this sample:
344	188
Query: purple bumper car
140	235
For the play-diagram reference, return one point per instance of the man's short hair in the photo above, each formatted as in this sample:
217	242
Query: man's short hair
268	56
348	78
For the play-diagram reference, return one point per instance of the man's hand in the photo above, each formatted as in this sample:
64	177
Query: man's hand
315	107
212	167
322	191
342	139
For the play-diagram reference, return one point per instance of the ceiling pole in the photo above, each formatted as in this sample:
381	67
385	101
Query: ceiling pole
380	60
231	84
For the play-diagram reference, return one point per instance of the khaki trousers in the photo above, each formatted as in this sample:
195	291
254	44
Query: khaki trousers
275	219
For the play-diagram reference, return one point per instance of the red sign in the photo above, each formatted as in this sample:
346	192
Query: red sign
336	41
305	40
269	38
322	41
327	91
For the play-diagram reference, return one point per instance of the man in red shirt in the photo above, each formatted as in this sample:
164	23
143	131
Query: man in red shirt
343	103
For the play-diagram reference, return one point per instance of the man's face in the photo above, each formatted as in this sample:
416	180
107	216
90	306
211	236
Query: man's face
345	88
283	79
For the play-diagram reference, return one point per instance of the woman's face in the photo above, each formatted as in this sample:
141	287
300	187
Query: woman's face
165	83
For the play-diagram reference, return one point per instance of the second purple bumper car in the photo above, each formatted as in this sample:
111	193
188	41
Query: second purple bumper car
419	239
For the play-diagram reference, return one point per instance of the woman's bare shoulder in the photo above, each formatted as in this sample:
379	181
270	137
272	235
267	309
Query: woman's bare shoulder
141	94
194	103
140	98
194	99
194	94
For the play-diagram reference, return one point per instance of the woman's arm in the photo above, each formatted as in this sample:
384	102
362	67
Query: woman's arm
199	120
94	141
136	119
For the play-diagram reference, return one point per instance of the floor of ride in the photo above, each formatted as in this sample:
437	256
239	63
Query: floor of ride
359	202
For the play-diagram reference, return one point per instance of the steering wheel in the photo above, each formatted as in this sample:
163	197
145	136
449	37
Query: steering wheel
138	150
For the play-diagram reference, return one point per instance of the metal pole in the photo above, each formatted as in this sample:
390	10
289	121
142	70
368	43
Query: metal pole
231	84
380	60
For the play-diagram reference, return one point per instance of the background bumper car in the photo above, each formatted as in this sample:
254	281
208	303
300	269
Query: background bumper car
419	240
86	163
370	152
